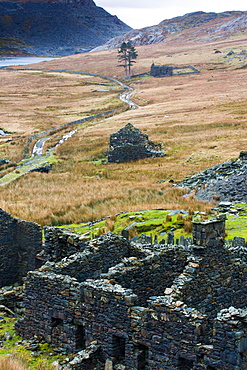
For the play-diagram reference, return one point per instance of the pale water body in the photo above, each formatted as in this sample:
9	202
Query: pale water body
21	61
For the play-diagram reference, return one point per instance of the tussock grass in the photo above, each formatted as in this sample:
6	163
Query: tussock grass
10	363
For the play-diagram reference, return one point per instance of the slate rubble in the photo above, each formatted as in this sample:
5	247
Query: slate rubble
223	182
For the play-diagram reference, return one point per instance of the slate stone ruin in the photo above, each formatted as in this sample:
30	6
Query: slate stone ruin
161	71
225	182
20	241
208	233
122	305
130	144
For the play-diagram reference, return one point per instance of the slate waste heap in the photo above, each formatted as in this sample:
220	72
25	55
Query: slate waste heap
222	182
117	304
129	144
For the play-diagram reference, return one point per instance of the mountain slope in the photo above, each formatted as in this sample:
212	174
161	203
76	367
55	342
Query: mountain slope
58	27
198	26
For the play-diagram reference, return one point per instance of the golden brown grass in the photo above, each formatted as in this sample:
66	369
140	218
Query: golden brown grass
9	363
32	102
200	120
17	363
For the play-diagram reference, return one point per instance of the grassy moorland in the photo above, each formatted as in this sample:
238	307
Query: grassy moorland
200	119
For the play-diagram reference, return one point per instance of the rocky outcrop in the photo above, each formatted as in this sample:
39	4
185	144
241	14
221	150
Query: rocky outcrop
58	28
129	144
198	26
223	182
3	161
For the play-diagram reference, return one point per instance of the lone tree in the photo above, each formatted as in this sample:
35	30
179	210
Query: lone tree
126	56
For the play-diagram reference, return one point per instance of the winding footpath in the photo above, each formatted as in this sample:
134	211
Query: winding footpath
38	159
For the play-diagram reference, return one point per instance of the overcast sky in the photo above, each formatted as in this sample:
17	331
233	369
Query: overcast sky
143	13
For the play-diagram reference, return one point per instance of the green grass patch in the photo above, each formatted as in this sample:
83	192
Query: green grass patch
158	222
44	356
149	222
236	225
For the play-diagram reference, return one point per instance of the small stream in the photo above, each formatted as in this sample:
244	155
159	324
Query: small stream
39	159
39	145
3	133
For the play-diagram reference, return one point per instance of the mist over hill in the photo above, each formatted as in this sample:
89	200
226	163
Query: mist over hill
198	26
56	28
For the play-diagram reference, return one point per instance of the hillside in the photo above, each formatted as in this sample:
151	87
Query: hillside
55	28
200	120
198	26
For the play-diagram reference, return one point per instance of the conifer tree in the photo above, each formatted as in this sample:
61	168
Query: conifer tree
126	56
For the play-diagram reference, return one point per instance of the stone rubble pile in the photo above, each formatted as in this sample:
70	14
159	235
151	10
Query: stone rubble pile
130	144
223	182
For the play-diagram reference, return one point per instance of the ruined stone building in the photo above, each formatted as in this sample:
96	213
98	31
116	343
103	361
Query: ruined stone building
20	241
161	71
141	306
129	144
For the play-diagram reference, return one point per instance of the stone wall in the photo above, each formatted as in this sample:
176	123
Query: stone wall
53	298
129	144
142	275
52	309
98	256
210	233
60	243
144	307
20	241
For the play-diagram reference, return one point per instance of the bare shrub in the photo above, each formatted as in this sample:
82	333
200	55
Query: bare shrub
101	231
132	233
188	227
189	218
110	224
180	217
168	218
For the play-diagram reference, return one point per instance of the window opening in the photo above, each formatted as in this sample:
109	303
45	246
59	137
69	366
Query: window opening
55	322
80	337
185	364
118	348
142	357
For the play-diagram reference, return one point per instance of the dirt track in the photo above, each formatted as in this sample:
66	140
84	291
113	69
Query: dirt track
40	159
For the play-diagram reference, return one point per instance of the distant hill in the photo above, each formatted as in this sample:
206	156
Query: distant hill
198	26
55	27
